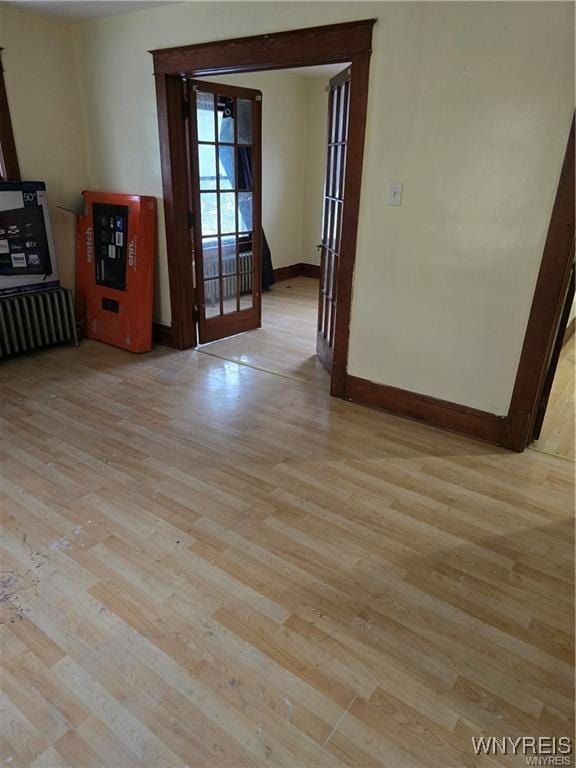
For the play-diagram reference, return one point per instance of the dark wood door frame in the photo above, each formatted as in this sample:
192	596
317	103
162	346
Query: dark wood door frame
336	43
546	312
555	356
7	145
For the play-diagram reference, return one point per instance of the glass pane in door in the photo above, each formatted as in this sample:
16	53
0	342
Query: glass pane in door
207	166
228	251
244	121
209	213
205	116
244	211
212	297
227	167
226	119
227	213
230	290
245	280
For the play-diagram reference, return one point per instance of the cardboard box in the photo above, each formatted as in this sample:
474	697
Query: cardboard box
27	254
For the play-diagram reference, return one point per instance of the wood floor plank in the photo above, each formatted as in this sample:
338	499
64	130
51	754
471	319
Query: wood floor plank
557	436
76	752
209	562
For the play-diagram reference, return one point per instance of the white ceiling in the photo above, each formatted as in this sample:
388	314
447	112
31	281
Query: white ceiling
83	10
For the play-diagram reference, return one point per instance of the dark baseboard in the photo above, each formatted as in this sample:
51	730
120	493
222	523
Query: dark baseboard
297	270
515	428
163	334
439	413
286	273
310	270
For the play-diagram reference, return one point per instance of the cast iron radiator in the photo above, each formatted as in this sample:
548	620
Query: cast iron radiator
33	320
228	280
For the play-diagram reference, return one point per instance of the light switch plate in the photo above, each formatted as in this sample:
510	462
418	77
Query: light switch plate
394	193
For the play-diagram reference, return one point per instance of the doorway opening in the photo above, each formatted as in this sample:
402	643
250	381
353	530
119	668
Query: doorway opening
199	285
553	431
549	315
286	343
286	160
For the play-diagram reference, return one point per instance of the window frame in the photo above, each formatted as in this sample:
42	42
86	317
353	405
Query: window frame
9	167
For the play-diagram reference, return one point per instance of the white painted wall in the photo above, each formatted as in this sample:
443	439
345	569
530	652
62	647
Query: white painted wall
469	106
43	96
316	137
473	115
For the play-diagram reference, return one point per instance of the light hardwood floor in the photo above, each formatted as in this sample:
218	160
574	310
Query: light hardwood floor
557	435
206	564
286	343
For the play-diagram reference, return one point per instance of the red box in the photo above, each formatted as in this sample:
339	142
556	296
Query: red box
115	254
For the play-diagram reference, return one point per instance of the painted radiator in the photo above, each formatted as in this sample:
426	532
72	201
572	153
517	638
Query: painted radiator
228	280
30	321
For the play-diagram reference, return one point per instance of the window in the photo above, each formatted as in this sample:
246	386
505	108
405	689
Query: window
223	148
9	168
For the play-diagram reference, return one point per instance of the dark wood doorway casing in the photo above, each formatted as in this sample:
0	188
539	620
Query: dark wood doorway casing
9	167
546	314
555	357
336	43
